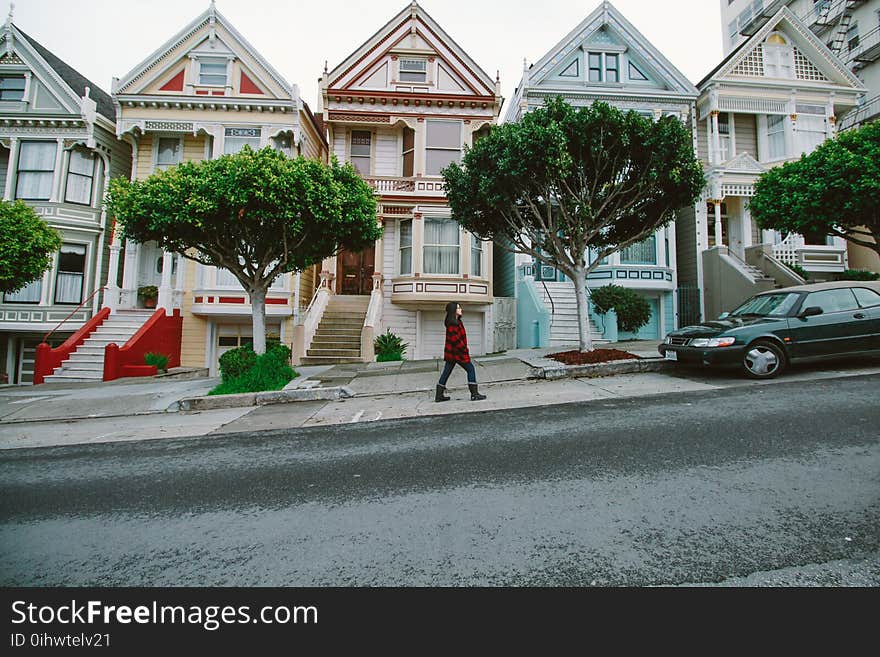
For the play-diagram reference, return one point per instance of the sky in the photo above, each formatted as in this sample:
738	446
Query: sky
103	39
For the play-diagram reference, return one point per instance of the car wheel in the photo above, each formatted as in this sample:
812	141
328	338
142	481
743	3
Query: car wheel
763	360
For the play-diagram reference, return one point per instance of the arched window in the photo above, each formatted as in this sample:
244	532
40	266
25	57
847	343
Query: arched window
778	57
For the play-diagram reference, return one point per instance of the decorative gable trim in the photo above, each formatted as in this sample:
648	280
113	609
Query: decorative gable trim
745	163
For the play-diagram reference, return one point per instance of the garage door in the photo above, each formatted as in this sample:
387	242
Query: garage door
432	335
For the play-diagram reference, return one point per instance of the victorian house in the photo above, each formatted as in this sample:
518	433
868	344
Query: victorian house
203	93
605	58
776	96
400	108
58	150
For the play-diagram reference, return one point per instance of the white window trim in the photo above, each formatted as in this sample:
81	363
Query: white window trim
259	128
87	272
425	245
348	137
603	51
411	247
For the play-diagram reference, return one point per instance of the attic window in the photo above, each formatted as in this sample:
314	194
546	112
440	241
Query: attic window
778	57
413	70
212	72
12	87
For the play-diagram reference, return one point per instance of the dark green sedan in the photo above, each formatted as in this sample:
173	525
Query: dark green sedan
774	328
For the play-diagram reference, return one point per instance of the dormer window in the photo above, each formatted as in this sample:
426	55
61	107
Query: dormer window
212	72
603	66
413	70
778	57
12	87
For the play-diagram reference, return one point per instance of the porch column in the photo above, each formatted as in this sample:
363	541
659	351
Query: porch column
111	294
719	237
128	297
180	281
166	299
716	139
746	223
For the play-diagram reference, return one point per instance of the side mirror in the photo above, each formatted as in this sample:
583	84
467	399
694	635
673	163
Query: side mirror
810	312
723	315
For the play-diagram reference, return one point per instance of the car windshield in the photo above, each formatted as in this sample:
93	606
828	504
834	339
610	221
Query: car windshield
767	305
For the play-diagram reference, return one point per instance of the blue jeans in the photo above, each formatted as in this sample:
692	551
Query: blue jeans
450	365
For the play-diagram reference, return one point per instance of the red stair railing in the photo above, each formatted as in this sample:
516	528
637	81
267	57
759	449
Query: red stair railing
162	333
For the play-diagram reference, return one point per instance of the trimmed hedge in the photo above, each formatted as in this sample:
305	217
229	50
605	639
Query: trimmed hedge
633	310
242	370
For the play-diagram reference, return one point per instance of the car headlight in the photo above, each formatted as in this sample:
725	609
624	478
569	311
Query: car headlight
712	342
667	339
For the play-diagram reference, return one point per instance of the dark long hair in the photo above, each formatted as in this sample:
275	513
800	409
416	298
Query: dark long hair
451	317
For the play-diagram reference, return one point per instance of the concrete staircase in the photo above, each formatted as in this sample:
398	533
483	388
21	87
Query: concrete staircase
338	338
564	318
86	362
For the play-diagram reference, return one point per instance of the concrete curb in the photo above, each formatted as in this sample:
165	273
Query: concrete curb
261	398
630	366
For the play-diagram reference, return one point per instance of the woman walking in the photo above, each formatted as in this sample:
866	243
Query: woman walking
456	351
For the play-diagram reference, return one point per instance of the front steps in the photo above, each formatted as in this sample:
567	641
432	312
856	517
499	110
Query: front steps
564	317
338	338
86	362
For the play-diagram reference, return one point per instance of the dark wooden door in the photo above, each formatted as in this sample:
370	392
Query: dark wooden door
355	271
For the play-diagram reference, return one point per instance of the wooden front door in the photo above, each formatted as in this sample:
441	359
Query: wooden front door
354	271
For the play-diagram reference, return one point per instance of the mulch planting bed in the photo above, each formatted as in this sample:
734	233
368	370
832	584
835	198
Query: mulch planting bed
591	357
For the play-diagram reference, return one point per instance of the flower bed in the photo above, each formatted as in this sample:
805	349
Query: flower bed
591	357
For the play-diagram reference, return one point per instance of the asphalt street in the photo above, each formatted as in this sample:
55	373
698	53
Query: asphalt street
758	485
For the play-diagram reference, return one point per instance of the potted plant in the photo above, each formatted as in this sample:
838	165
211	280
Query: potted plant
149	294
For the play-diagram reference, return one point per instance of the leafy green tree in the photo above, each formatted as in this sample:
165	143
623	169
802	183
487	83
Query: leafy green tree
256	213
835	190
571	186
27	244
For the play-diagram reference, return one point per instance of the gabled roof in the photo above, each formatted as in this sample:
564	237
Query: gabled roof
412	12
607	14
75	80
209	17
805	40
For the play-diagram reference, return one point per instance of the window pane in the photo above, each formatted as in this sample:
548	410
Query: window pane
233	145
30	293
213	73
866	297
441	259
413	70
360	143
226	278
444	134
406	260
169	151
595	60
37	156
831	300
436	161
34	186
82	163
641	253
71	267
406	233
12	88
361	165
476	256
79	189
441	231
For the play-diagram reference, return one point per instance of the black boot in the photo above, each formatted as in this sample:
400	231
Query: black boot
438	395
475	394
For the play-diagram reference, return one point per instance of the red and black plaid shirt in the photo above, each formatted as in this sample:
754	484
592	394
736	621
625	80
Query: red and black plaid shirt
456	348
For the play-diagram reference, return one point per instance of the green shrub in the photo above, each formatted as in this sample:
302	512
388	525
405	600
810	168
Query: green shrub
269	371
633	310
236	362
159	360
859	275
389	347
800	271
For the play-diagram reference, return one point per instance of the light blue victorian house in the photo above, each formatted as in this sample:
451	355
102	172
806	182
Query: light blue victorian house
605	59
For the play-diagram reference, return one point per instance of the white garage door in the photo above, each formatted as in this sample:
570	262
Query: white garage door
432	335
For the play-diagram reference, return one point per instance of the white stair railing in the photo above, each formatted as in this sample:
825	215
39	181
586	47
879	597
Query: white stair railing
372	321
304	333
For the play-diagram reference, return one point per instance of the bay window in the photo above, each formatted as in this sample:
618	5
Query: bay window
443	145
476	256
361	151
442	246
71	272
640	253
36	170
80	177
776	136
406	247
169	152
237	138
30	293
809	132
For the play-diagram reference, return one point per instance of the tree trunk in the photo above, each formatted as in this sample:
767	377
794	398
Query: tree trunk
583	310
258	308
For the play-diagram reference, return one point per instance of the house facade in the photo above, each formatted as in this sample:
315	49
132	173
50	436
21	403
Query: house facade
851	30
58	150
400	108
605	58
775	97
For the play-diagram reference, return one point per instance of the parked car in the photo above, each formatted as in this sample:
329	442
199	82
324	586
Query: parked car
772	329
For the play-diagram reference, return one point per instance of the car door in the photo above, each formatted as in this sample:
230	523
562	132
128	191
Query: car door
869	302
841	327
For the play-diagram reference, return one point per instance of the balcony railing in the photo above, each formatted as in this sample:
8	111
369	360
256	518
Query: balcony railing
812	257
397	186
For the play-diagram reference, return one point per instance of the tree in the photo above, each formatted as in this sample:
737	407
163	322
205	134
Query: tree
256	213
27	244
571	186
835	190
